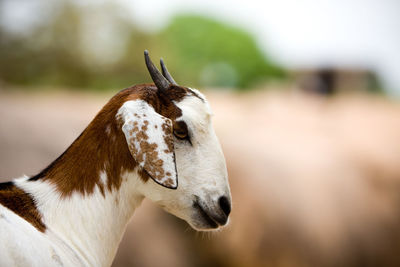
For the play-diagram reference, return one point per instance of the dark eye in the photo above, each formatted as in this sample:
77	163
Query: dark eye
181	133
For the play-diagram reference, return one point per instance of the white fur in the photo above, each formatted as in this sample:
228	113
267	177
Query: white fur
201	167
22	245
85	230
90	226
103	178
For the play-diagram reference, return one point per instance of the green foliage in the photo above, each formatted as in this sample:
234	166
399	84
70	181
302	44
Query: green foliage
70	50
59	52
208	52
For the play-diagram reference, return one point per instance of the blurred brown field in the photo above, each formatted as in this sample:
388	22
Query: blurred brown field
315	181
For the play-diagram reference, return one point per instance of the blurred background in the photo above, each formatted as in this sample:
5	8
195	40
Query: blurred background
306	102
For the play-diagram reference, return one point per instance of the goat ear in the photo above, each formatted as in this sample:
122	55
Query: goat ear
150	140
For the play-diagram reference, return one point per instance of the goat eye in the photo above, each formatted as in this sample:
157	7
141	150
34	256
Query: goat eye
181	134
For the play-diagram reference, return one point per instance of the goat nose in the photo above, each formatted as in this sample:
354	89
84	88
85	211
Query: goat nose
225	205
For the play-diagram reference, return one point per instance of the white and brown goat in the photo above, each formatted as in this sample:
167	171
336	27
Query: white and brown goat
144	140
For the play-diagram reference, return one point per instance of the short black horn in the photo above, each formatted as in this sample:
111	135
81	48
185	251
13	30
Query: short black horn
166	73
160	81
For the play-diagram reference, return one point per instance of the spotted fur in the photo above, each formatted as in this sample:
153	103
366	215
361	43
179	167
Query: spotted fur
150	141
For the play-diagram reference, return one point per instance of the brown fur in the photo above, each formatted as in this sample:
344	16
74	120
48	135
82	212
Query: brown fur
21	203
102	145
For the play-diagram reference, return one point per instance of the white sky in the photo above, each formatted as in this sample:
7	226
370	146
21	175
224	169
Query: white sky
296	33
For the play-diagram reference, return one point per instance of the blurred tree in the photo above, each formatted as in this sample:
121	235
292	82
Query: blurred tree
207	52
97	46
79	47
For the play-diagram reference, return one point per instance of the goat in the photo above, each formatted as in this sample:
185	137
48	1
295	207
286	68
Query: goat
75	211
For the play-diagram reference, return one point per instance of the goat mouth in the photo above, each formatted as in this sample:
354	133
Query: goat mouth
207	218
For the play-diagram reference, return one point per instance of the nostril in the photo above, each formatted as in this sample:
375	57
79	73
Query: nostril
225	205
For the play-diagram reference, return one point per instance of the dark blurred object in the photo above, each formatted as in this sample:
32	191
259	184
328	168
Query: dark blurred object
329	81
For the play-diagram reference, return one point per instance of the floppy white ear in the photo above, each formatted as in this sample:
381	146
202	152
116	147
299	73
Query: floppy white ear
150	141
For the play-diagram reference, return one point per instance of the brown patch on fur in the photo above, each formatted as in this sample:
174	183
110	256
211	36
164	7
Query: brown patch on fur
169	140
169	182
147	153
102	145
21	203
